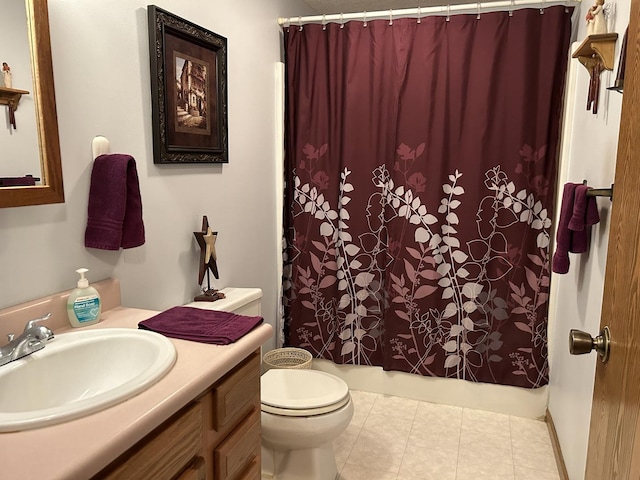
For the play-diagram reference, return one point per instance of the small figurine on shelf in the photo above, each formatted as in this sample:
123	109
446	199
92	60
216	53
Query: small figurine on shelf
206	240
6	75
596	23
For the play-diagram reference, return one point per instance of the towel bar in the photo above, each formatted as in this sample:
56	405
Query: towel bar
600	192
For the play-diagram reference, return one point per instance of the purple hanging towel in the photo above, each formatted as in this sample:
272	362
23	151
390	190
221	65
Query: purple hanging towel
578	211
115	206
560	262
585	214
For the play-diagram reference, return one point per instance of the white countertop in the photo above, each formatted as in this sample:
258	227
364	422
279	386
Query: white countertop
80	448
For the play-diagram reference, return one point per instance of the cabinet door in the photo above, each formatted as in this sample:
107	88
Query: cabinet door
235	392
239	450
252	472
164	453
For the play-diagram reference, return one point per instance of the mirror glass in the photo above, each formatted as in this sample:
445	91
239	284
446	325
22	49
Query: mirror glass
20	154
29	129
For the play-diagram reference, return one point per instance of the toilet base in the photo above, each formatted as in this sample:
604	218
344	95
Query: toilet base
310	464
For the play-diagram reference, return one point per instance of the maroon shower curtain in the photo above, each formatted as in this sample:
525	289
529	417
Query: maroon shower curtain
420	180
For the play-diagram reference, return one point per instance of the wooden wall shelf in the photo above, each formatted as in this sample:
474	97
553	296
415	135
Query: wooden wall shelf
597	49
11	96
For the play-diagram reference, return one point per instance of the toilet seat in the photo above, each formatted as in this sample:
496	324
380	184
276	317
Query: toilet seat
297	393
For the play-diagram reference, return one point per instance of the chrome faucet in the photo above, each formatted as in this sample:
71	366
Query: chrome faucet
33	338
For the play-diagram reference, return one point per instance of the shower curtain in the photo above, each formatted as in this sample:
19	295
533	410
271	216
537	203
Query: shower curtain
420	179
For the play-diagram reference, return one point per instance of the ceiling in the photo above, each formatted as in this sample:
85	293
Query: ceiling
345	6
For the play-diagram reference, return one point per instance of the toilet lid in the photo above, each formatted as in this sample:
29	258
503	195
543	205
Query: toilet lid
301	389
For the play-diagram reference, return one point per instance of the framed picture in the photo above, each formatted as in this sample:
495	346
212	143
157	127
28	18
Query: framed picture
188	89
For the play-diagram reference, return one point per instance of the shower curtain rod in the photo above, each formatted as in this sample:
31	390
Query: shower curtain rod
503	5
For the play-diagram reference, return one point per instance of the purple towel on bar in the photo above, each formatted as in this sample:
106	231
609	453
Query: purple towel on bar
560	262
115	206
200	325
585	214
578	211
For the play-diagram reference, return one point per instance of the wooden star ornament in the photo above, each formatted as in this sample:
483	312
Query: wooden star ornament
207	239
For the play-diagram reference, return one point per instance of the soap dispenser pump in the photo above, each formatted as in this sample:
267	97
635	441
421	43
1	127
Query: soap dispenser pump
84	304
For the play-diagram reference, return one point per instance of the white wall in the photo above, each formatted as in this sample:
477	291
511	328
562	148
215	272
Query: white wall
19	154
576	298
101	71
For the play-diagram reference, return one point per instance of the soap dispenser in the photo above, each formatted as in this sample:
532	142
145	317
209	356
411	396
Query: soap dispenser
84	304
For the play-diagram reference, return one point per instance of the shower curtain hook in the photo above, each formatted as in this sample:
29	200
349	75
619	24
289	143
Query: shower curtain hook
288	24
448	12
364	15
300	23
341	21
324	22
419	15
390	16
478	15
511	9
542	7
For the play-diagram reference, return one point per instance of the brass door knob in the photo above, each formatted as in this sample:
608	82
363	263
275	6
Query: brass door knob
581	342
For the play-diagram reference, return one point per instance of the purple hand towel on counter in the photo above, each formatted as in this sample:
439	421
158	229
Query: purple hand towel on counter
115	206
199	325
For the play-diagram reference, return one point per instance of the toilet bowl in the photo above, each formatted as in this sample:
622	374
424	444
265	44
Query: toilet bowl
303	411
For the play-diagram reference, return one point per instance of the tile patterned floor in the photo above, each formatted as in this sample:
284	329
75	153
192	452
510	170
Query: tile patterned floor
393	438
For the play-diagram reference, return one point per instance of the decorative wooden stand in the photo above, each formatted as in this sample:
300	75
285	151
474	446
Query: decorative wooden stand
209	295
206	240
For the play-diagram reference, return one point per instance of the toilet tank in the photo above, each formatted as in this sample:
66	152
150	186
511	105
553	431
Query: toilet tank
243	301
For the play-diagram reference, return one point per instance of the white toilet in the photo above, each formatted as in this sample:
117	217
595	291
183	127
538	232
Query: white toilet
303	412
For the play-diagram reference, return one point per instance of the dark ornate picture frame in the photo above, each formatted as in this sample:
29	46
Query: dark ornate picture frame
188	91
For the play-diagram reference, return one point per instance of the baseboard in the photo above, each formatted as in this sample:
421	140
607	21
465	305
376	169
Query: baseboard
557	451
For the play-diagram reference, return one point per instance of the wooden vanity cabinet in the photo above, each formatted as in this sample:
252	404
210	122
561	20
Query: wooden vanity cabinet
215	437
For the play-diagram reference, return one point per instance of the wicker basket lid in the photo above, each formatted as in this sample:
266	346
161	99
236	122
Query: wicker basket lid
288	357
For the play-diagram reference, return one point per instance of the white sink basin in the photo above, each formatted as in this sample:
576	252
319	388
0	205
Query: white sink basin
79	373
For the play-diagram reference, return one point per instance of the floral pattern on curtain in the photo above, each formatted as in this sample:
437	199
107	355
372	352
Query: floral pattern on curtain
420	184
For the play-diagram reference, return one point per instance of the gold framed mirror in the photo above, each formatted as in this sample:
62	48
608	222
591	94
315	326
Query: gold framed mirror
51	190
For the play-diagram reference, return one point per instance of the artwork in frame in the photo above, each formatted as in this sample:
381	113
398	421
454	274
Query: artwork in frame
188	89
